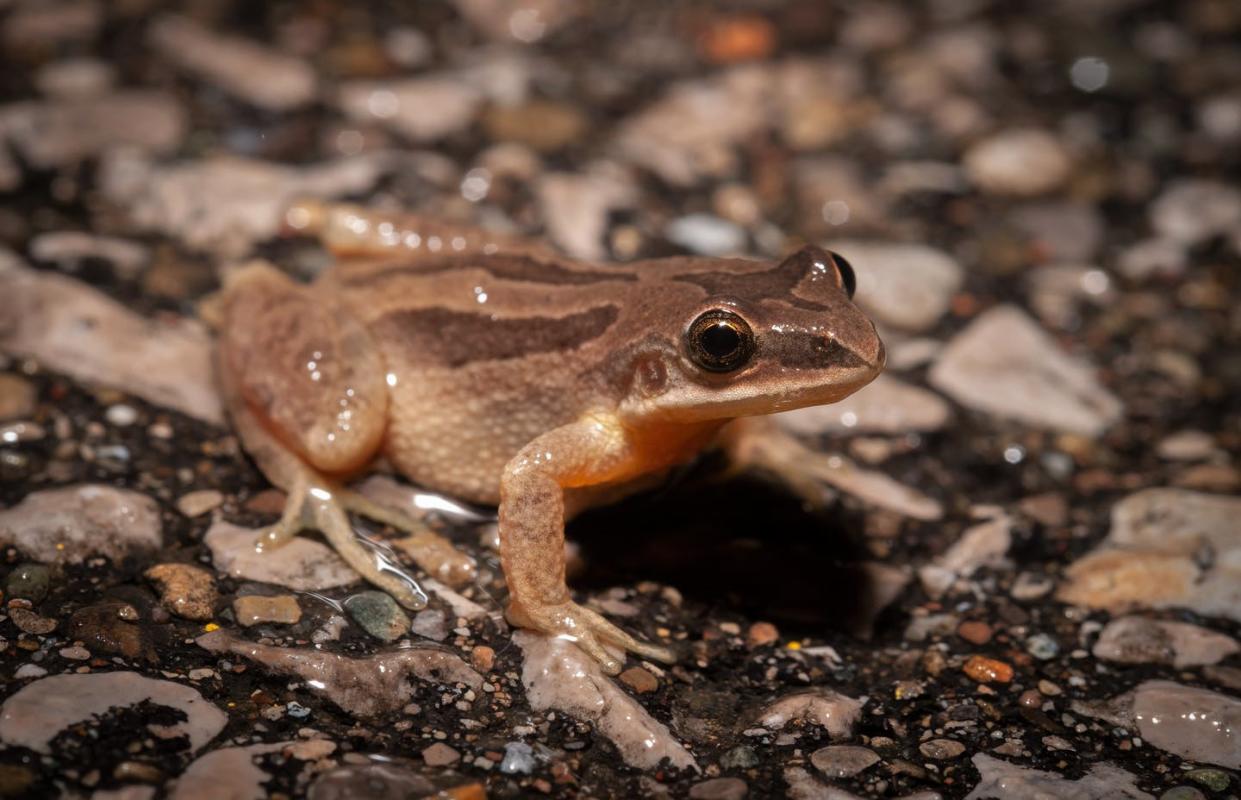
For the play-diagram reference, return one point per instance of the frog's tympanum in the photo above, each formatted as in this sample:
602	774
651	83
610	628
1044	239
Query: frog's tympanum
499	373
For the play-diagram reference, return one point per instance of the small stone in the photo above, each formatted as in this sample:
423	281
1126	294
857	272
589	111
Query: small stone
1186	446
706	235
431	623
483	658
195	504
1022	162
640	680
101	627
1042	646
255	609
137	772
122	416
908	286
941	749
761	634
1214	779
378	614
185	590
59	526
1057	743
518	759
440	755
15	780
1030	698
1182	793
28	621
740	757
843	760
543	125
719	789
17	397
1003	779
75	653
1030	586
28	581
987	670
974	631
834	711
1135	640
1191	211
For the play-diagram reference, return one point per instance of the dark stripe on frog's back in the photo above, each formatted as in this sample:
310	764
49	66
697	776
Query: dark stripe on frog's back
519	268
446	338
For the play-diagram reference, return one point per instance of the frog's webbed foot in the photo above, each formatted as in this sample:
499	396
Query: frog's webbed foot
320	506
589	630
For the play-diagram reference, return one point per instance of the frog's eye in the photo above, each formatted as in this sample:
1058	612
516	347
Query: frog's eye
846	274
719	341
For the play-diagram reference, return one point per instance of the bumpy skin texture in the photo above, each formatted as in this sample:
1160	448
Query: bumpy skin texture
496	372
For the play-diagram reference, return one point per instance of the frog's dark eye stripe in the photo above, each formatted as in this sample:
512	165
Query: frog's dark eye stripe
719	341
847	277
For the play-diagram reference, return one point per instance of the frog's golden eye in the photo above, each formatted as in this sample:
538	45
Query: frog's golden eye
719	341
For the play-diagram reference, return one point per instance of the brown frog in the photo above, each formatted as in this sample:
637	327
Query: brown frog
496	372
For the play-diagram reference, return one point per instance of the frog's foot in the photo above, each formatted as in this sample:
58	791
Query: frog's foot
589	631
322	507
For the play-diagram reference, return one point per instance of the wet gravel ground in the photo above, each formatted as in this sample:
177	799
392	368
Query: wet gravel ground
1010	567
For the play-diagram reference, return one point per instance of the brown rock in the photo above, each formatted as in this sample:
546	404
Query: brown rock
103	630
974	631
941	749
254	609
185	590
747	37
719	789
440	755
987	670
483	658
541	124
30	622
639	680
195	504
17	397
761	633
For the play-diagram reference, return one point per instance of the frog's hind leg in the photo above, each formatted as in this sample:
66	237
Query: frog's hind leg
350	230
306	390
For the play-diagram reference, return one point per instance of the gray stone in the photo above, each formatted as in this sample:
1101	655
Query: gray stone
941	749
908	286
1022	162
843	760
1002	779
422	109
378	614
1136	640
719	789
836	712
1006	365
518	759
28	581
1191	211
64	526
369	781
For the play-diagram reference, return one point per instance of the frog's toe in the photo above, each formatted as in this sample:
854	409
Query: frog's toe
591	632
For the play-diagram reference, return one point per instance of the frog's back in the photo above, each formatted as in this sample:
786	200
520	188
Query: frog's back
484	354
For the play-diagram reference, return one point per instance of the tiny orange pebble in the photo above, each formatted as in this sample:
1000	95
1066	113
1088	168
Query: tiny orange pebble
987	670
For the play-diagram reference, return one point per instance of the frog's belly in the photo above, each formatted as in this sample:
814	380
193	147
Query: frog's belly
455	432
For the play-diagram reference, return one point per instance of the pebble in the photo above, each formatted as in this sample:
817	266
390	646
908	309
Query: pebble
1004	364
195	504
1136	640
226	772
907	286
1191	211
256	609
70	327
244	68
1042	646
761	634
1182	793
75	653
371	780
843	760
1195	724
518	759
1030	586
1150	556
28	581
103	629
558	676
576	207
421	109
365	687
706	235
431	624
30	622
483	658
639	679
740	757
18	397
64	526
1030	698
223	204
185	590
1021	162
941	749
887	405
378	614
304	564
1214	779
984	544
440	755
1103	781
837	713
1186	446
34	715
974	631
987	670
719	789
543	125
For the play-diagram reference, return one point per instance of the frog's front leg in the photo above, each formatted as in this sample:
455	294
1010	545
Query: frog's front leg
532	514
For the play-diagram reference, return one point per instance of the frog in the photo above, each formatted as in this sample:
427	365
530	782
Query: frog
494	370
